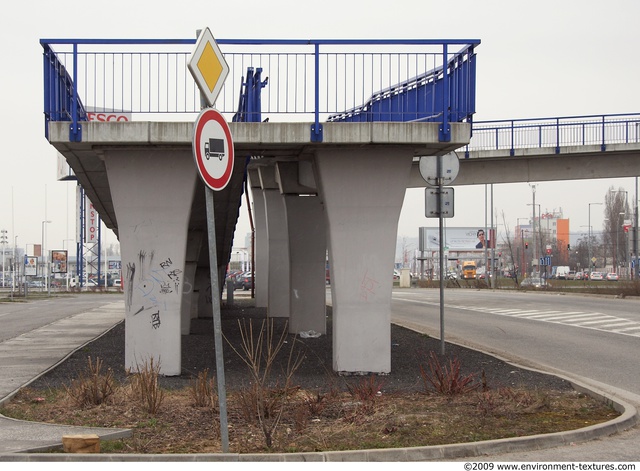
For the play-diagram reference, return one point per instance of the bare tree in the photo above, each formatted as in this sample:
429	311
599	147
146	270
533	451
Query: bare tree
616	208
512	257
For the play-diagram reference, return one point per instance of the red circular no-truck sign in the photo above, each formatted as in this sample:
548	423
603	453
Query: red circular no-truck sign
213	149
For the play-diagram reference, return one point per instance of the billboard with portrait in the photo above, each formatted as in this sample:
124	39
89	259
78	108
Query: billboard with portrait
58	261
456	239
30	266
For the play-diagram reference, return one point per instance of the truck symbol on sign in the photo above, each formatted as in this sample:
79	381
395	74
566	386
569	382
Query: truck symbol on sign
214	148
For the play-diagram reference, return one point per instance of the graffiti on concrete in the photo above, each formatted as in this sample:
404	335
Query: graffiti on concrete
148	284
368	287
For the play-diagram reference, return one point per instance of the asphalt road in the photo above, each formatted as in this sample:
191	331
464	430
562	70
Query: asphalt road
21	317
583	337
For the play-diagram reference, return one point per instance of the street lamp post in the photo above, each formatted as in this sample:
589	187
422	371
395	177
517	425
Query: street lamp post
522	260
636	270
45	268
3	243
68	264
15	266
535	242
589	241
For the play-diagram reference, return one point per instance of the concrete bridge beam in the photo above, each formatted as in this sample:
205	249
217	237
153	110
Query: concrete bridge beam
152	196
363	191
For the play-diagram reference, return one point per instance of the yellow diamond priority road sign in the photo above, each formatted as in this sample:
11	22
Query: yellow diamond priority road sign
208	67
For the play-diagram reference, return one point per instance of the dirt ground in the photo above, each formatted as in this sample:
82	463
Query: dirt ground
320	410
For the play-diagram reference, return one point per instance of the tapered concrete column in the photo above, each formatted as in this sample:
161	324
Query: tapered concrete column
203	288
279	281
307	249
152	193
363	192
189	297
261	255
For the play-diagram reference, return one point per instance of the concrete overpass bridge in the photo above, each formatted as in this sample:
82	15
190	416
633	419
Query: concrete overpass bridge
326	145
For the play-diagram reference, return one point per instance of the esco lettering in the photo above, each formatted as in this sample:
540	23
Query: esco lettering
105	117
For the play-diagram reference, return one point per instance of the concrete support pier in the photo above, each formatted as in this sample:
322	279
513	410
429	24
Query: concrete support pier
308	253
363	191
279	280
261	255
152	195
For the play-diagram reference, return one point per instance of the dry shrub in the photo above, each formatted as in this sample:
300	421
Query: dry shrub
366	389
93	387
259	351
203	391
448	381
145	388
508	402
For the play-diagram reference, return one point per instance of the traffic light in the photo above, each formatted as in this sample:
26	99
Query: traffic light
526	245
568	246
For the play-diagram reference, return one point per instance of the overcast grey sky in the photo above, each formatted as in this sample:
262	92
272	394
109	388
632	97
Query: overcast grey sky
537	59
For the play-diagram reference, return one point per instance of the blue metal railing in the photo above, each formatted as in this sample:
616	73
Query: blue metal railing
250	103
420	98
556	133
307	79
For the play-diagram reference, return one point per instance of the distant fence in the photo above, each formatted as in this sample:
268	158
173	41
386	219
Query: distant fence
555	133
308	80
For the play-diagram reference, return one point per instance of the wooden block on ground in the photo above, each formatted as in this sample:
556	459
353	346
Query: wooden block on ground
89	443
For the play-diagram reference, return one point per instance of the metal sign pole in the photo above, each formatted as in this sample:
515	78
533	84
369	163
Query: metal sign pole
217	323
441	235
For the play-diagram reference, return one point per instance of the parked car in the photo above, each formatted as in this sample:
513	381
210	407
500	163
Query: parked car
534	282
117	283
596	276
244	281
571	275
612	277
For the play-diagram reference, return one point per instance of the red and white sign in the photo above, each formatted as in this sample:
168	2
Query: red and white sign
91	222
213	149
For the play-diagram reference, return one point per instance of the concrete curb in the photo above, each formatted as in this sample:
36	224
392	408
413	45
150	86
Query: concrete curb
625	421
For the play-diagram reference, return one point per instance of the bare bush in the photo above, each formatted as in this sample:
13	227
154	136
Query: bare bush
203	391
263	402
145	387
92	387
447	380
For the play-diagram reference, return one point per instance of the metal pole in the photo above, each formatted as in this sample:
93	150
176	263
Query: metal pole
217	323
486	236
590	235
589	240
493	232
636	271
441	235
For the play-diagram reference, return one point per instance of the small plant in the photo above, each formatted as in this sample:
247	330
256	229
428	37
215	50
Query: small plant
203	391
447	381
367	389
259	353
145	387
93	387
